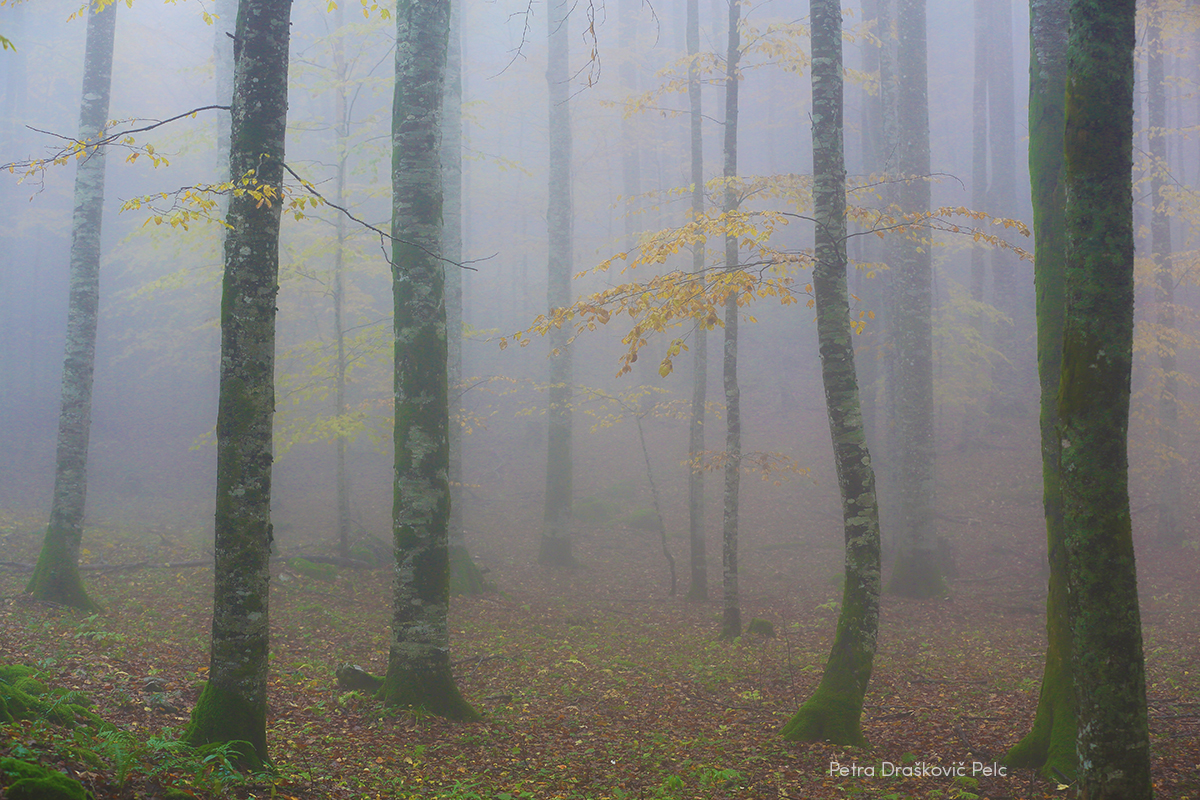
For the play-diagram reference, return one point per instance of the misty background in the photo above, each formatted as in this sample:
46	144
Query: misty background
156	377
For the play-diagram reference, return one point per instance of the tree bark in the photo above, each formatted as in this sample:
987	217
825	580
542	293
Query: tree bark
1112	739
56	578
419	674
233	704
698	589
1050	744
731	625
917	572
834	711
556	532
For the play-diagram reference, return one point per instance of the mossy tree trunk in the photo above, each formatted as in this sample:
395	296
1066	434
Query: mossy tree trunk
233	704
1112	739
419	674
1170	488
56	576
1050	744
698	588
917	571
731	621
555	548
465	576
834	711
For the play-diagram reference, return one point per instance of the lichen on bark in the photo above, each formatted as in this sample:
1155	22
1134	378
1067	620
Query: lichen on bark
233	707
1112	738
1050	744
419	674
834	711
56	577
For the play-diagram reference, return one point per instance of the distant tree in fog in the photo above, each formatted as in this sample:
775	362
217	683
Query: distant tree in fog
233	705
731	622
916	571
465	577
555	549
1050	744
834	711
698	588
1112	739
56	577
1170	488
419	674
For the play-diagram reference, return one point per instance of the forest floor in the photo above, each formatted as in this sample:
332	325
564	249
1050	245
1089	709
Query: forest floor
595	683
589	688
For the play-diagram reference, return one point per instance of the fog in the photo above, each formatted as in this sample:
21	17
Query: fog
151	457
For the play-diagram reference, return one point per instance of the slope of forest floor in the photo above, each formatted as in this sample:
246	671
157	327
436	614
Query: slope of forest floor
593	683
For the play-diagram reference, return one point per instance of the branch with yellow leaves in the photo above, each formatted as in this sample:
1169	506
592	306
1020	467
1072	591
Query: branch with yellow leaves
675	298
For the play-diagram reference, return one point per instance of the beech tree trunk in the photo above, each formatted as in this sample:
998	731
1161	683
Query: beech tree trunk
834	711
556	531
698	589
233	704
56	577
917	572
419	674
1112	739
731	625
1050	744
342	148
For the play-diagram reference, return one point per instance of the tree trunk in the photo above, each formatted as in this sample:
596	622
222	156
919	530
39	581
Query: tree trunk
731	626
233	705
1002	200
834	711
556	531
698	589
419	674
56	577
465	576
979	142
1112	741
917	572
1170	489
1050	744
342	148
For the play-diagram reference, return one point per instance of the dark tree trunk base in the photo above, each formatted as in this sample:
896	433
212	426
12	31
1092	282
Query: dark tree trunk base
556	552
56	578
917	577
221	716
466	578
431	691
828	716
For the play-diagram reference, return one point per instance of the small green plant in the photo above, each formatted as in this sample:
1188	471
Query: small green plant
724	778
320	572
761	627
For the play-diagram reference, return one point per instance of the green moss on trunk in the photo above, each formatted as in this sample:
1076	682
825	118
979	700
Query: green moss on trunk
431	690
223	716
466	578
56	577
1050	744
